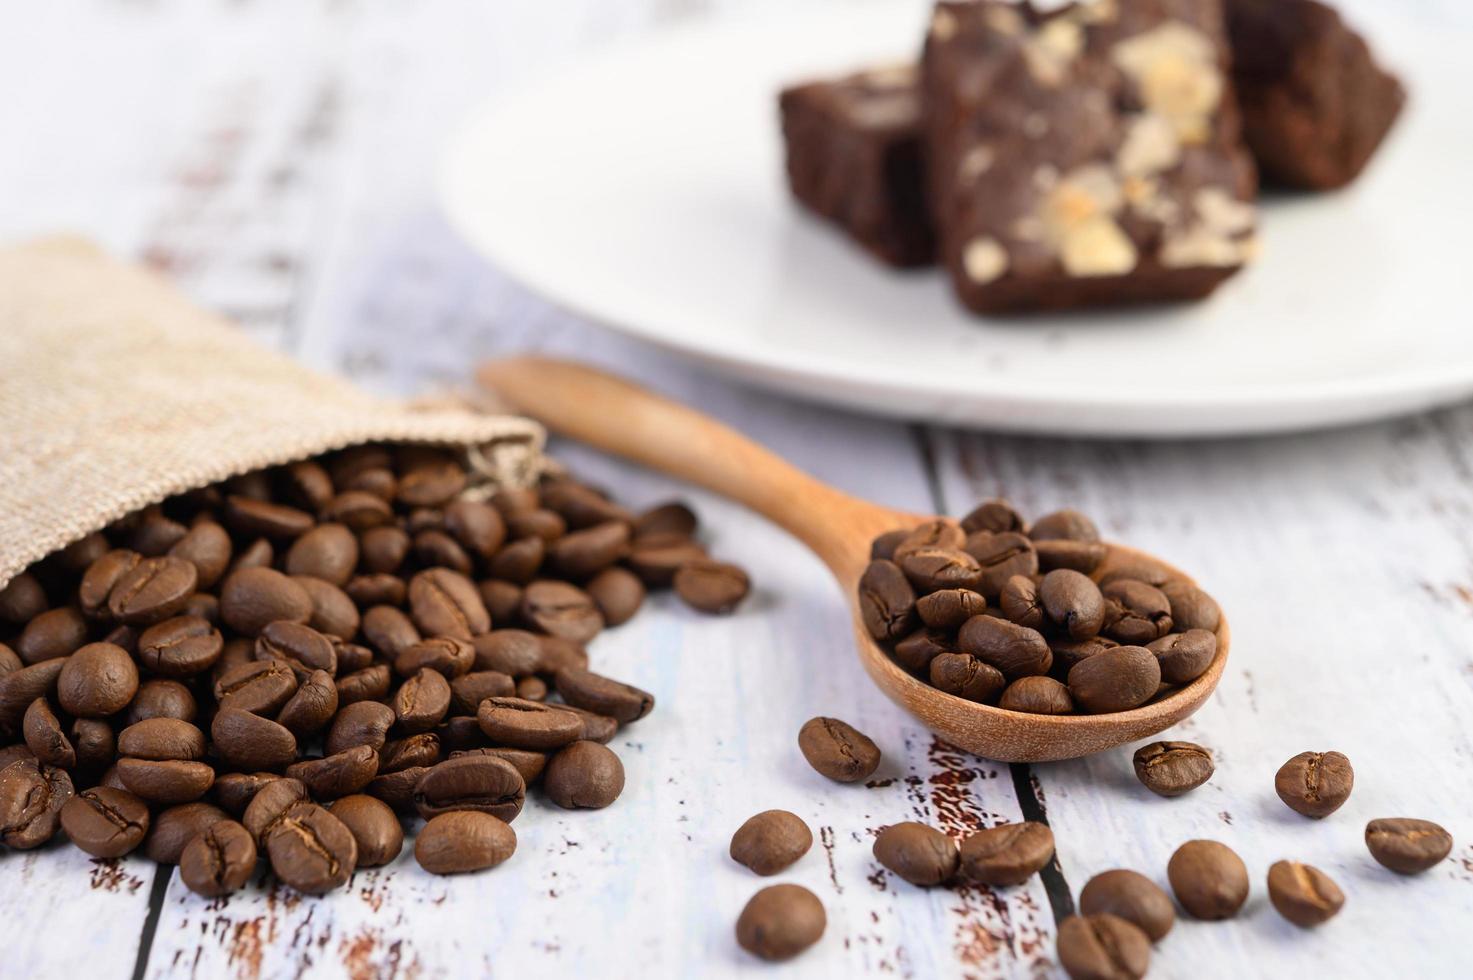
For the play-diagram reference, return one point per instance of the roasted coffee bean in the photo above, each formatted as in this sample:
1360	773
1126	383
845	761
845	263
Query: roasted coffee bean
9	661
1037	696
1067	524
377	480
234	791
270	804
15	753
351	656
1315	784
920	854
617	592
96	681
558	654
180	647
416	750
583	554
837	750
435	548
1209	880
711	586
917	650
883	547
1008	854
948	609
311	850
1115	680
463	841
251	743
422	701
337	775
673	518
771	841
1015	650
518	561
560	609
376	590
993	515
328	552
333	611
219	861
524	724
389	631
887	602
934	568
306	484
154	534
584	775
383	549
361	723
258	554
31	797
1304	895
152	591
98	582
446	603
368	684
469	690
172	829
126	637
378	833
432	482
1139	613
201	605
263	518
1172	768
446	655
169	782
515	500
582	506
1001	556
1103	947
1020	604
45	738
105	822
1131	896
781	921
359	510
1184	656
966	677
297	645
161	699
254	597
207	547
1072	604
603	695
510	651
93	739
939	533
52	635
23	599
1139	569
504	600
1191	608
396	789
162	739
259	686
471	782
310	709
532	689
478	527
1407	846
1079	556
20	687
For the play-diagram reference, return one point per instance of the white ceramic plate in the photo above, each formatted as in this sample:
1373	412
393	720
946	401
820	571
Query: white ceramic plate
644	189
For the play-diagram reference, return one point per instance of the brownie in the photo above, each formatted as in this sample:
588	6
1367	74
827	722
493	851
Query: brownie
1315	103
1085	156
854	156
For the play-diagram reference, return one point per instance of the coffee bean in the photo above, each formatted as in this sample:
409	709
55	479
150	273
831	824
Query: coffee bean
711	586
257	554
368	684
45	738
883	547
673	518
9	661
162	739
532	689
158	698
250	742
31	797
583	554
1191	608
523	724
1072	603
1209	880
297	645
97	583
446	603
234	791
920	854
432	482
1131	896
837	750
545	525
376	590
96	681
939	533
173	828
351	656
1020	604
1315	784
1078	556
180	647
422	701
966	677
1001	556
19	688
584	775
169	782
359	510
518	561
333	611
1407	846
1304	895
617	592
887	602
1184	656
312	707
1008	854
361	723
1139	569
94	742
251	598
472	782
1172	768
515	500
448	656
560	609
207	547
1139	613
1015	650
1103	947
933	568
463	841
154	533
1037	696
594	692
219	861
389	631
780	921
948	609
259	686
992	515
152	591
105	822
270	804
917	650
341	774
311	850
436	548
656	559
52	635
560	654
374	827
306	484
468	691
1067	524
771	841
383	549
415	750
530	764
22	599
514	652
1115	680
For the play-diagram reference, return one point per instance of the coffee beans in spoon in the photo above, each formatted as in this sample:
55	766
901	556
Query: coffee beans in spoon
322	652
1030	618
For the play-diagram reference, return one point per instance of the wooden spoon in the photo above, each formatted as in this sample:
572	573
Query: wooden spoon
621	418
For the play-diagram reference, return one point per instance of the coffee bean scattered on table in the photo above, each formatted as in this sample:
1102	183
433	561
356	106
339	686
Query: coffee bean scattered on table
1315	784
1172	768
1406	845
1008	854
295	662
781	921
838	750
1103	947
920	854
1304	895
1131	896
771	841
1035	619
1209	879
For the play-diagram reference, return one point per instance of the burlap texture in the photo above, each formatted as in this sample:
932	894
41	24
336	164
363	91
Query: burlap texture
116	393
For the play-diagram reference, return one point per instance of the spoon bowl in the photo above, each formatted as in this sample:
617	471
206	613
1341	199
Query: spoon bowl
621	418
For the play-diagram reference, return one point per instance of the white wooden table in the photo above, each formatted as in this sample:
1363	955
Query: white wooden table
275	158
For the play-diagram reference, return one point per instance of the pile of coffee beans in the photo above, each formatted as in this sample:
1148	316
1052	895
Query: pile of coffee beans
292	663
1033	618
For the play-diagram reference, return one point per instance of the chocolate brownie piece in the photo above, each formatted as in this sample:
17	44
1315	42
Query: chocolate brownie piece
854	156
1085	156
1315	103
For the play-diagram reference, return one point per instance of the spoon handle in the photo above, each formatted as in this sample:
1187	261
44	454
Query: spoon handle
626	420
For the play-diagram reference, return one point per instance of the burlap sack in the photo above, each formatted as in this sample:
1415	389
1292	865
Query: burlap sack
116	392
